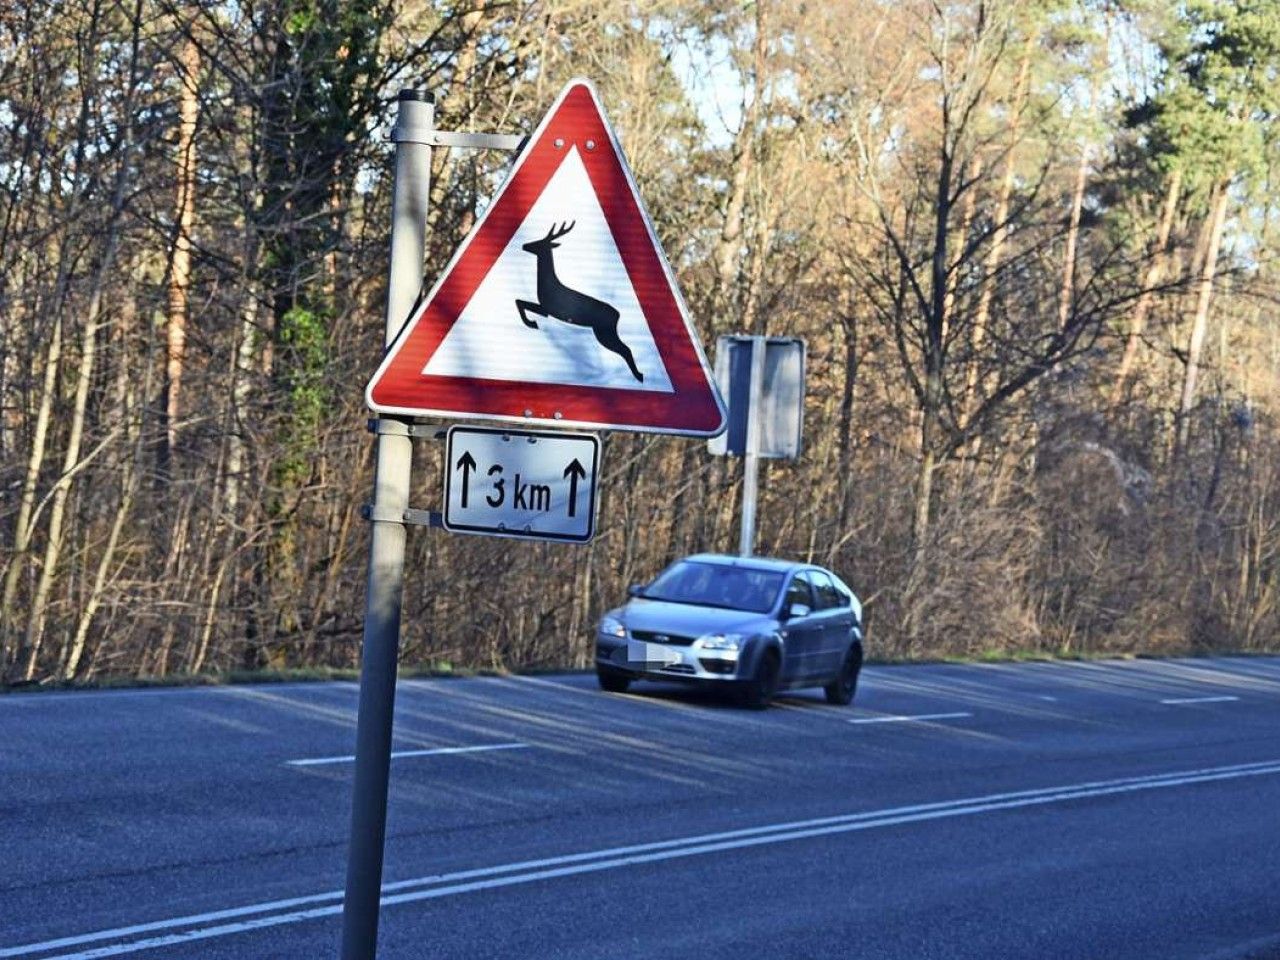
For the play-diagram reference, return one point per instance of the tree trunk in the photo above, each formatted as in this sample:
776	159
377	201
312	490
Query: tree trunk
1155	272
752	317
460	83
57	511
72	665
84	378
11	321
970	207
60	254
123	411
184	219
201	652
935	324
730	246
848	396
1200	322
1000	233
27	499
1066	294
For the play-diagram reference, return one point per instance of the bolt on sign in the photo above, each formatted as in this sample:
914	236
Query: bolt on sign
559	308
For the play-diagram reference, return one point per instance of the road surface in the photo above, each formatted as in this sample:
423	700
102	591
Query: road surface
1124	809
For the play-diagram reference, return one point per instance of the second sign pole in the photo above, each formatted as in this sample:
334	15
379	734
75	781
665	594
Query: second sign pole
751	457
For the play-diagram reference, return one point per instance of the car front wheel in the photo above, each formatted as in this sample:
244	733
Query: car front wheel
612	681
758	692
840	691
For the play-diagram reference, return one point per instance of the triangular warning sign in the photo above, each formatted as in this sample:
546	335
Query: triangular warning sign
559	307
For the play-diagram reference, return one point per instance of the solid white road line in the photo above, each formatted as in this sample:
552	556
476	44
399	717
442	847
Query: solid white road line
918	717
397	754
281	912
1200	700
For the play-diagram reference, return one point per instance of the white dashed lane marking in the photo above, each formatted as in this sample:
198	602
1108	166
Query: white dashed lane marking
918	718
397	754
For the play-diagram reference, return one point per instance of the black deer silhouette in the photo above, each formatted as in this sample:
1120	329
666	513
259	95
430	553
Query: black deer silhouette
563	303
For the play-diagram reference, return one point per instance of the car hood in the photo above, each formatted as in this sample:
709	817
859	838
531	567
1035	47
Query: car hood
684	619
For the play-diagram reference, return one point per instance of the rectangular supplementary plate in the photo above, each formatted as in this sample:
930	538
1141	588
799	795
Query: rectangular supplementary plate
529	485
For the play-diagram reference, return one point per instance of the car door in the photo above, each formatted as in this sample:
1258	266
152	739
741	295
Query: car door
802	636
835	620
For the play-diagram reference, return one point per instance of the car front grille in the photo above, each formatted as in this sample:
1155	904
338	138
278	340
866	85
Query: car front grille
679	668
653	636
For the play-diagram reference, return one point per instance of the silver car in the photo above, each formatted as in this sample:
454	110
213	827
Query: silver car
754	625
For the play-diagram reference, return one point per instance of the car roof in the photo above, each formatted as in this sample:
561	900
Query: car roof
751	563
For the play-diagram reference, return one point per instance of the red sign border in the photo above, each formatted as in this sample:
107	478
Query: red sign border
693	408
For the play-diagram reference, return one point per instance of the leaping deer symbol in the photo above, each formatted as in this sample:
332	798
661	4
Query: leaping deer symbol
563	303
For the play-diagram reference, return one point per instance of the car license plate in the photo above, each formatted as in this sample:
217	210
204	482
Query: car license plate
652	655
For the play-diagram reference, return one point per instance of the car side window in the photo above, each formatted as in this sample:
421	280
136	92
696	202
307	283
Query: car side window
798	592
827	595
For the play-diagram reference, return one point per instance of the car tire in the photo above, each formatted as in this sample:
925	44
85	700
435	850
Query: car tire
612	681
758	692
840	691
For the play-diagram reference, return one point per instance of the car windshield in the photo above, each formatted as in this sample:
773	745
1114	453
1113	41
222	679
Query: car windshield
717	585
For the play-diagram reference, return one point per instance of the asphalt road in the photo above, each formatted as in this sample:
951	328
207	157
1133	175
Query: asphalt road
1074	810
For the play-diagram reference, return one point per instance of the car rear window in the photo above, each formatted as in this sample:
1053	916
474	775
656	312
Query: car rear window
717	585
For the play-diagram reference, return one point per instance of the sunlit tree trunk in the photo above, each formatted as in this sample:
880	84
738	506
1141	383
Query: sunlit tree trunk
85	371
729	248
1200	321
124	411
1153	276
71	459
105	559
1066	293
1000	217
967	211
27	498
935	325
457	100
10	358
184	220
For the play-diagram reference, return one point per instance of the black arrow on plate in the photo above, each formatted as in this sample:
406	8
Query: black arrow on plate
466	463
574	472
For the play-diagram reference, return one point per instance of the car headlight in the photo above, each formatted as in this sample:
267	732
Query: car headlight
612	627
729	642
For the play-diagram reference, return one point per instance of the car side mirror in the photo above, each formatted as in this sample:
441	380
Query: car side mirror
797	610
635	590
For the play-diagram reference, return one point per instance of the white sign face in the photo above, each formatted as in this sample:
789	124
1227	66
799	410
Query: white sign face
522	484
485	341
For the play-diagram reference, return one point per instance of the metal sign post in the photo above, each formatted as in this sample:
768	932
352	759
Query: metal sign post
751	459
414	135
410	197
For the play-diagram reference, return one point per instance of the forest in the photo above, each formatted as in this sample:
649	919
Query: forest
1028	243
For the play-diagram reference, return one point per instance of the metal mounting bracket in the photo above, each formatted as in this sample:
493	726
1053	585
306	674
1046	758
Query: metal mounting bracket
401	428
371	511
424	518
419	518
457	138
